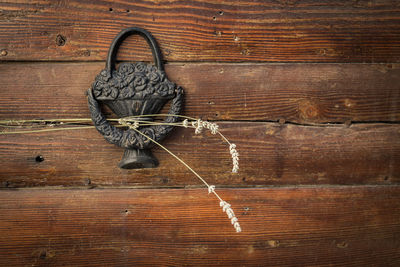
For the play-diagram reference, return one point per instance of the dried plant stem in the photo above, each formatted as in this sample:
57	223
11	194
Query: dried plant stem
133	122
47	120
197	124
50	130
162	115
226	207
177	124
175	156
68	128
16	123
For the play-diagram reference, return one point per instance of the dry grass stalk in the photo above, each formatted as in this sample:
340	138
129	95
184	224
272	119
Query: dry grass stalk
134	123
226	207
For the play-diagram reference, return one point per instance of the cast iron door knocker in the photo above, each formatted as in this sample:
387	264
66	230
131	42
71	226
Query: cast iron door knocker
134	89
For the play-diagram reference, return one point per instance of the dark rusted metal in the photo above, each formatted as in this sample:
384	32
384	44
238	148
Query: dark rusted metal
134	89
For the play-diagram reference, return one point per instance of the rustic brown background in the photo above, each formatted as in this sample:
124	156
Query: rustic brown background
308	90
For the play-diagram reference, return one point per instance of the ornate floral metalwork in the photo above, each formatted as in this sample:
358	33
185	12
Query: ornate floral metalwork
132	80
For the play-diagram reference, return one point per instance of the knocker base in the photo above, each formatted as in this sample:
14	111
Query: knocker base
138	159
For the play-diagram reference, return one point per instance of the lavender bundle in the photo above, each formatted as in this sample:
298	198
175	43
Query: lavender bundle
134	123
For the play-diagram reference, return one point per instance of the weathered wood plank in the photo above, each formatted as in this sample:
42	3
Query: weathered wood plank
310	93
270	153
230	31
341	226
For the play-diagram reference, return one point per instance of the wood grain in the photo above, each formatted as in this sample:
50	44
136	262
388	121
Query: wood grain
270	154
229	31
302	93
309	216
339	226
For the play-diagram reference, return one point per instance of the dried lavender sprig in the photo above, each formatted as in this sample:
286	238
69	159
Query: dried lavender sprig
226	207
200	124
124	122
211	188
235	158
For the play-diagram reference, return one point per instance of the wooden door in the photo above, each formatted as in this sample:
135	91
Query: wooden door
308	90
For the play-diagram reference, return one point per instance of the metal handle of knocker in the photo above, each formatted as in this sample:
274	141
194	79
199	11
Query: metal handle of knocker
155	50
134	89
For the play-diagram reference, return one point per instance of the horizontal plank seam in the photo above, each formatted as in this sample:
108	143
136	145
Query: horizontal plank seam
210	62
324	124
230	187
